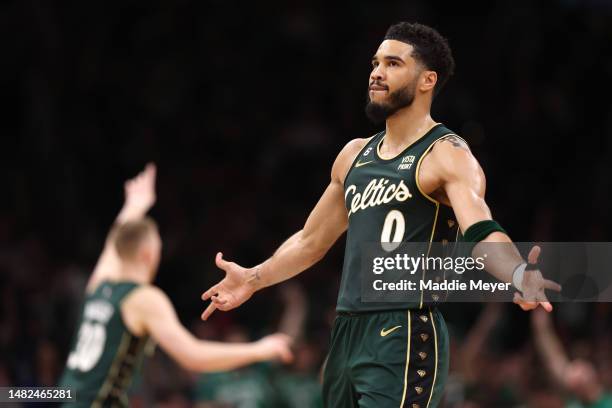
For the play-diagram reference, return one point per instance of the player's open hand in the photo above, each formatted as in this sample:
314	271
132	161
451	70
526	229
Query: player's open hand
140	190
534	286
235	289
275	347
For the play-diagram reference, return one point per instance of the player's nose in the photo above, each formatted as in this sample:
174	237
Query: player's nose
377	74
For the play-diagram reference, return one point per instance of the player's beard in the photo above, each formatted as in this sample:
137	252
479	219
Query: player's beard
402	98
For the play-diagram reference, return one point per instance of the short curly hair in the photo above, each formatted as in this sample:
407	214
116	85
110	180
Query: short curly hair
430	48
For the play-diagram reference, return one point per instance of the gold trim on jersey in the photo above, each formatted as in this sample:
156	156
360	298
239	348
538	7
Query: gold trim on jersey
433	384
405	148
136	360
114	370
407	362
433	231
427	196
418	167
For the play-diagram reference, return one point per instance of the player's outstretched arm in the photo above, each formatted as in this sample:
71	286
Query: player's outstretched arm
327	221
149	311
462	180
139	198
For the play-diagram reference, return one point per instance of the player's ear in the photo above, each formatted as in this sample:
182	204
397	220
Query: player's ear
428	80
145	252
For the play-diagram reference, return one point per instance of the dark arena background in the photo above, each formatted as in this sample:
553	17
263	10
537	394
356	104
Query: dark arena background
243	106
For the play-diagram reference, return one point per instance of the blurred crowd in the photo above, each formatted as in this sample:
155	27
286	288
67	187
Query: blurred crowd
244	106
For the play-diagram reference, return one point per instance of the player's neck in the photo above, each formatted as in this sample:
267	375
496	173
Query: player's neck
135	272
406	126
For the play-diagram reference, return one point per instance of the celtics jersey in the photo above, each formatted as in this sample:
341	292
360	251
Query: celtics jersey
105	354
387	207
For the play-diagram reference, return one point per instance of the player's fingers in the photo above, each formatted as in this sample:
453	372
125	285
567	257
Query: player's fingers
221	263
547	306
150	169
552	285
210	292
525	305
151	173
224	307
517	299
285	338
532	258
541	297
543	301
283	347
285	354
209	310
218	300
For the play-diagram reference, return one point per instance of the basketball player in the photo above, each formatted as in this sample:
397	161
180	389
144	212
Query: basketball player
419	176
122	309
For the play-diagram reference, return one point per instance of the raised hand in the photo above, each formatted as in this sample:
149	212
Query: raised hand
140	190
534	285
236	288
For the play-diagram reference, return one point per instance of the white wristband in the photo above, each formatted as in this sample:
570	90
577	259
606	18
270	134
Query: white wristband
517	276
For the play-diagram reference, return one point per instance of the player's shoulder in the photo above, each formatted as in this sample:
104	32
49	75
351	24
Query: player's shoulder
452	157
452	141
347	156
148	296
354	146
450	149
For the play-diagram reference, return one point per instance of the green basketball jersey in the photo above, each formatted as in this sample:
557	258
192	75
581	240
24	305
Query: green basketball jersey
386	207
105	355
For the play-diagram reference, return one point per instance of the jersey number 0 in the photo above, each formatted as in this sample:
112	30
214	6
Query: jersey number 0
394	219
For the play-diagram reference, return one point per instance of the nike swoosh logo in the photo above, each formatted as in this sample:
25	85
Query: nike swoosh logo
384	332
359	164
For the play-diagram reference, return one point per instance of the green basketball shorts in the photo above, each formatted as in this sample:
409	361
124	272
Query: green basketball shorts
387	359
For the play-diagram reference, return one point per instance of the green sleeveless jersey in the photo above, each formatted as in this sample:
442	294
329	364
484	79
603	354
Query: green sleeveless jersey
105	355
386	207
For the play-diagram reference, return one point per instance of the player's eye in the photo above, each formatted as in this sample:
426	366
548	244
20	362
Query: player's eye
393	63
374	64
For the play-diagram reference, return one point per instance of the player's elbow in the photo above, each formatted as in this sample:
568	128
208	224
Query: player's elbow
315	251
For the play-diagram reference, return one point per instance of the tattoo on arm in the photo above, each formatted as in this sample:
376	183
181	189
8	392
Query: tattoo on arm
457	142
254	276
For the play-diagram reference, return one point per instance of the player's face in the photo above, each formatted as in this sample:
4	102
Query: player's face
393	80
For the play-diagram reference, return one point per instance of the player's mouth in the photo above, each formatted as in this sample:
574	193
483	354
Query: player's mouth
377	89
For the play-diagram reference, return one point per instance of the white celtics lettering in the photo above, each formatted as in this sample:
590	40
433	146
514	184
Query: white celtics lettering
377	192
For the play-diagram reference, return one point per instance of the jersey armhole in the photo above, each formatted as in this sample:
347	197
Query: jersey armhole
121	303
418	167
